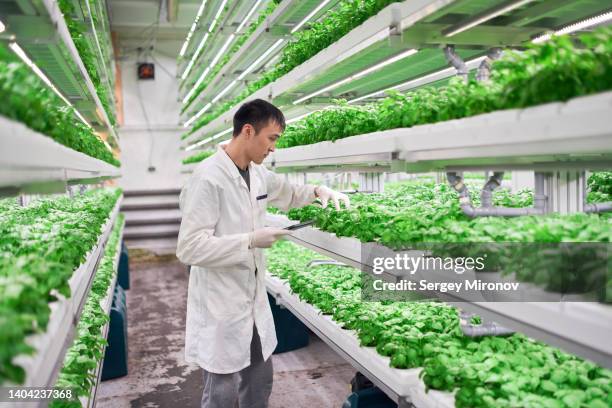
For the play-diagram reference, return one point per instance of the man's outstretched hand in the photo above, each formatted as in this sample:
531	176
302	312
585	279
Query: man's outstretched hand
326	194
265	237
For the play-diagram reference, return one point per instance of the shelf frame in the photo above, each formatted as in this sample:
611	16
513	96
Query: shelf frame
34	163
401	385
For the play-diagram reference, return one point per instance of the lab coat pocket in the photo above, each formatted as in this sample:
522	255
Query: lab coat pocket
226	293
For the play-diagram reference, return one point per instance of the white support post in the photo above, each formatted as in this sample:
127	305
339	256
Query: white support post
565	190
372	182
522	179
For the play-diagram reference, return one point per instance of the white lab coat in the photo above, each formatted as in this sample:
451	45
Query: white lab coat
225	297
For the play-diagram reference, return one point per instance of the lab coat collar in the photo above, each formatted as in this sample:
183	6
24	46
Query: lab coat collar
228	163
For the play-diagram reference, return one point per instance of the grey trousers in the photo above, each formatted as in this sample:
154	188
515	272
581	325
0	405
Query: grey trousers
248	388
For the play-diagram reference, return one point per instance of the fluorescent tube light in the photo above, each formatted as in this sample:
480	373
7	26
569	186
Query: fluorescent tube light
195	56
434	76
207	140
309	16
487	17
293	120
197	115
197	84
248	16
358	75
224	91
193	28
24	57
589	22
214	22
258	60
222	50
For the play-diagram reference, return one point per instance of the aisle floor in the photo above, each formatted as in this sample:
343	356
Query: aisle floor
313	377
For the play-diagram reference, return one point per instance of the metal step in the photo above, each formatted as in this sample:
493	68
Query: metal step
160	192
169	205
152	217
151	231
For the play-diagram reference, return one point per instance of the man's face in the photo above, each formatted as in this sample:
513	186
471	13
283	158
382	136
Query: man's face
260	144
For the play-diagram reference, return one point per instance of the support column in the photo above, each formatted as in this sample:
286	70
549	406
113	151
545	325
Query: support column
374	182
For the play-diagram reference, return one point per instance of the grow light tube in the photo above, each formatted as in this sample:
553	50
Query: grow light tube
589	22
224	91
197	84
24	57
197	115
434	76
192	30
358	75
293	120
258	60
249	14
195	56
210	139
487	17
197	53
309	16
214	22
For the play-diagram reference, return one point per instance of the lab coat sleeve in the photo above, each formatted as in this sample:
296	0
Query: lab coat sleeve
197	245
284	195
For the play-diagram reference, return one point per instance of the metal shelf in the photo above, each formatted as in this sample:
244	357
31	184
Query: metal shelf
401	385
581	328
106	304
572	134
42	368
38	26
276	27
35	163
419	25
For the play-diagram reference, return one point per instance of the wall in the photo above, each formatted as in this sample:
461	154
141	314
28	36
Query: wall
150	135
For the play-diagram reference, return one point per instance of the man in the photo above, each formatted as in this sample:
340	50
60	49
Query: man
230	332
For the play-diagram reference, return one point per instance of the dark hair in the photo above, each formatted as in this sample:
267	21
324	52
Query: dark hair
257	113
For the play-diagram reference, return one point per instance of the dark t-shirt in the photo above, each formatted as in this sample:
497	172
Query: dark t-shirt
245	175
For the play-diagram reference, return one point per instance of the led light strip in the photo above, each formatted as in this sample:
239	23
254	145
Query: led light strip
249	14
217	57
602	18
358	75
487	17
474	63
258	60
224	91
197	115
192	30
24	57
201	45
193	146
309	16
210	139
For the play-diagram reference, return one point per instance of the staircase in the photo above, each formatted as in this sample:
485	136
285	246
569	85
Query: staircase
152	219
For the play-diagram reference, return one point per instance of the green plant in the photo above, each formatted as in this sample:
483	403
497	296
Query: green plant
484	372
79	370
553	71
599	187
41	245
198	157
86	51
28	100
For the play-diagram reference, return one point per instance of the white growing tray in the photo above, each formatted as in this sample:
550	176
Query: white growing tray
402	385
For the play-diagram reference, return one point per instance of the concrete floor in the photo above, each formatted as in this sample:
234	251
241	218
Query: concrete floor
313	377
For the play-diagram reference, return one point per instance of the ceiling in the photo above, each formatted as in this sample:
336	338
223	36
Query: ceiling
162	24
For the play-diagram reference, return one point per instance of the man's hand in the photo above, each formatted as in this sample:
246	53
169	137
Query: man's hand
265	237
325	194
